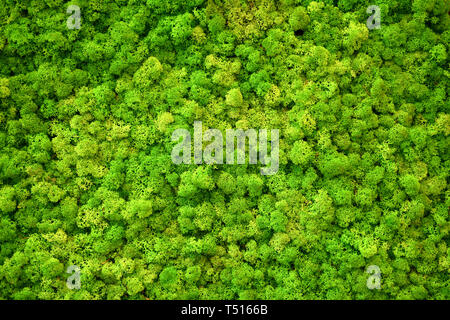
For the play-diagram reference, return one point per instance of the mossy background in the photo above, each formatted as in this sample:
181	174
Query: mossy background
86	176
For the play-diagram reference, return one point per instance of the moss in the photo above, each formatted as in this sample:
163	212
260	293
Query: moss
86	178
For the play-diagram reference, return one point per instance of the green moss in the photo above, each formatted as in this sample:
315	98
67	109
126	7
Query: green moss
86	177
